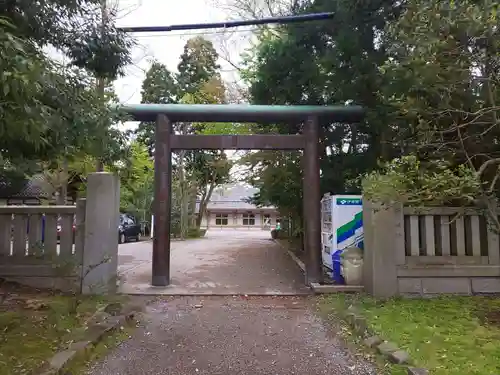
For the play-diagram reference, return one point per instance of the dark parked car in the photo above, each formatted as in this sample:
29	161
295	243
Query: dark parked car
128	229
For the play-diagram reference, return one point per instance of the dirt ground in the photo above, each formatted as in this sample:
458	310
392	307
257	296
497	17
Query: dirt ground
224	262
231	336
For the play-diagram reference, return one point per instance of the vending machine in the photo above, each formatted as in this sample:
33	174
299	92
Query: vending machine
342	226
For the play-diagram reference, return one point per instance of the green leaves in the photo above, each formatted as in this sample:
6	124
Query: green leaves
325	62
443	83
137	181
411	182
100	49
49	109
197	66
427	73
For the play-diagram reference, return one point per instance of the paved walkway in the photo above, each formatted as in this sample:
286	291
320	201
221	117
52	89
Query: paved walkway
232	336
224	262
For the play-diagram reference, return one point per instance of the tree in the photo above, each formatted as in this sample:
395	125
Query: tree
334	61
197	66
137	182
200	83
159	86
208	170
443	83
48	108
445	89
196	173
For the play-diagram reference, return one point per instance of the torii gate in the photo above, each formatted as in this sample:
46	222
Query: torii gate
166	141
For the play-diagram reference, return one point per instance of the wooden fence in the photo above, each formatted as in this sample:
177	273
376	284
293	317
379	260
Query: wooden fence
428	251
70	248
42	246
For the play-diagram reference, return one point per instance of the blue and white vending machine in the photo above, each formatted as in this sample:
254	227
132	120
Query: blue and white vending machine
342	227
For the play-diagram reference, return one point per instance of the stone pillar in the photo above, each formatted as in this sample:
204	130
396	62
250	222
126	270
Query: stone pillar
100	252
383	229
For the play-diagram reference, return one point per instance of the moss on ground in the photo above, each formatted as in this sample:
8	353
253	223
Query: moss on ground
81	364
35	324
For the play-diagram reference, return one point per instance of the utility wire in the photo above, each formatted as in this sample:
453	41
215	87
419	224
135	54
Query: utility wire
230	24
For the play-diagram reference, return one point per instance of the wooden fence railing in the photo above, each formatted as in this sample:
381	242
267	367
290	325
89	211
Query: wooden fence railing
442	233
442	250
43	244
70	248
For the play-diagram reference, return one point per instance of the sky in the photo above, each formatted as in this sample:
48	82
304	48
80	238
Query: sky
167	47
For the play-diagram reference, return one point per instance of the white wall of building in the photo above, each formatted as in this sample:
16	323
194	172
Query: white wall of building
238	220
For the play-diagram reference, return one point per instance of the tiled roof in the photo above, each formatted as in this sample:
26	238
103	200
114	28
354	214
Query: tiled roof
232	197
33	188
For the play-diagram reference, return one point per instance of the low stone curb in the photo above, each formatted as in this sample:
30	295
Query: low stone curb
103	323
294	257
386	348
332	288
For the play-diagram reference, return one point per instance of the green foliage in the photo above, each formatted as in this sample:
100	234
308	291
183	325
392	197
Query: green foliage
51	111
159	86
101	49
196	173
408	181
197	82
274	173
431	97
137	182
443	82
76	28
198	65
318	63
196	233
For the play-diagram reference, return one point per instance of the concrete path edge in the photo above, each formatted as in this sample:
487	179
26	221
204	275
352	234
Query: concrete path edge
316	287
103	325
294	257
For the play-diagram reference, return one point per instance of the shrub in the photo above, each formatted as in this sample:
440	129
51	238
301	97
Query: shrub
409	181
274	234
196	233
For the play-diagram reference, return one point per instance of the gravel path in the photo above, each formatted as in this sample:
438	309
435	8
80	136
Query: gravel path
225	262
231	336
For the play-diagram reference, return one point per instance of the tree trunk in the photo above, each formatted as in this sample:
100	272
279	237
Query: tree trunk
203	205
192	206
100	90
62	190
184	197
101	82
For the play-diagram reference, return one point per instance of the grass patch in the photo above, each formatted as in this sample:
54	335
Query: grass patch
447	335
331	307
34	325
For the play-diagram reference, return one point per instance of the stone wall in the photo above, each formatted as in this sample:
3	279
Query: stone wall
429	251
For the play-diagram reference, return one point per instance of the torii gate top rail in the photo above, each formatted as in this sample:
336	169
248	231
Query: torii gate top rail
243	112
